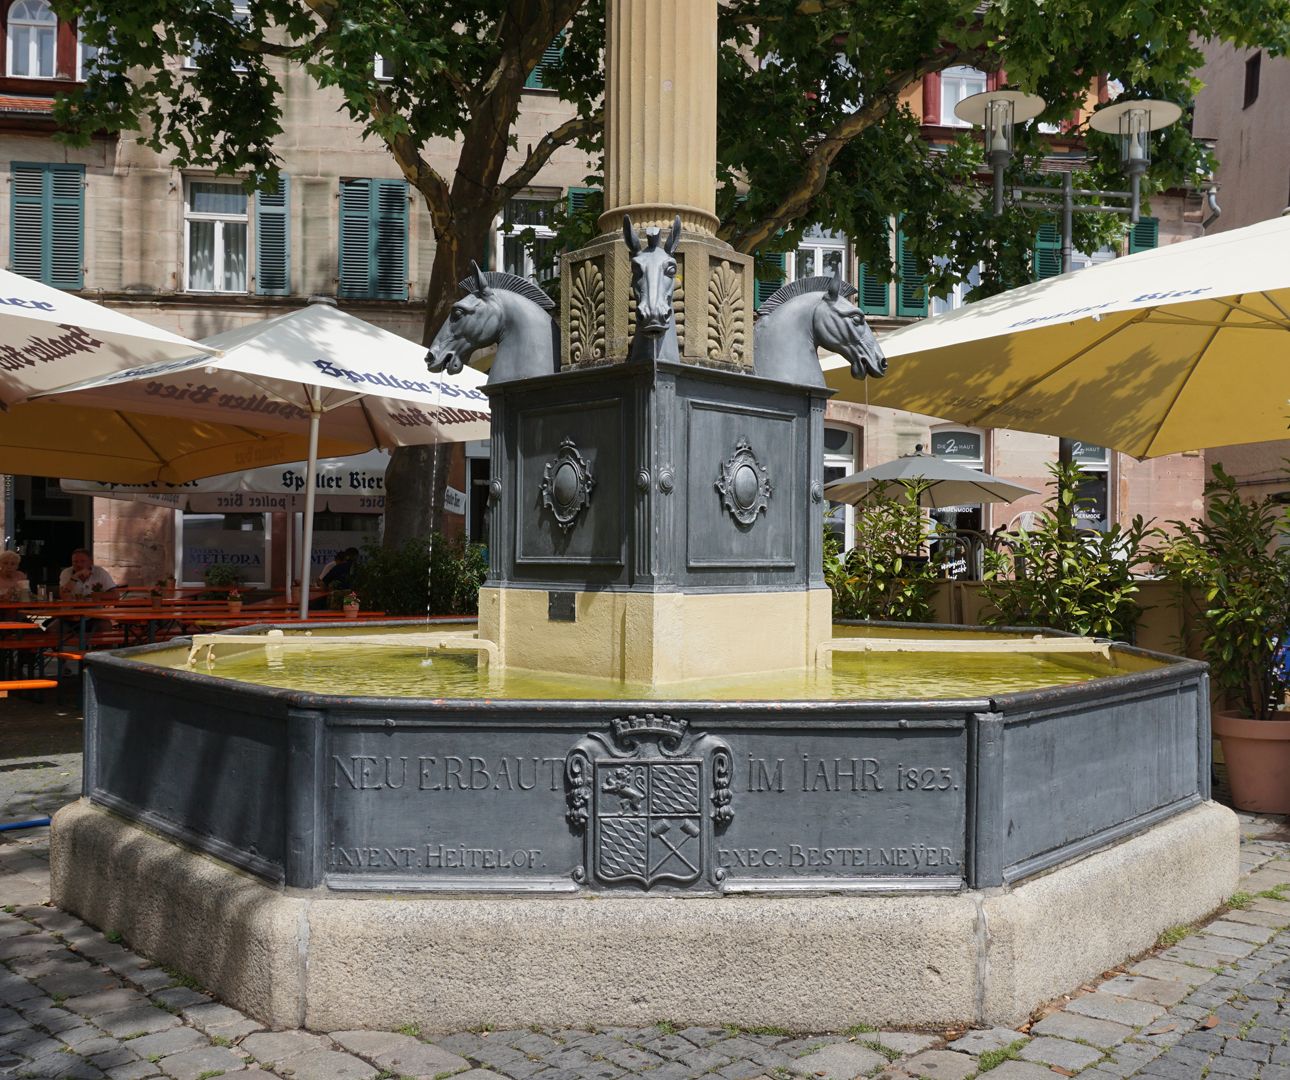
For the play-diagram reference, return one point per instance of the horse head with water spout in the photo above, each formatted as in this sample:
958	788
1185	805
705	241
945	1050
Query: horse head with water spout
502	310
804	315
653	283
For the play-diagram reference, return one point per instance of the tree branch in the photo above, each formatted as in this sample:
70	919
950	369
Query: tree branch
574	128
815	169
418	172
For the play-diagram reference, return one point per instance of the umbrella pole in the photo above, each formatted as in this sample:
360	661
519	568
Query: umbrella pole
291	558
311	480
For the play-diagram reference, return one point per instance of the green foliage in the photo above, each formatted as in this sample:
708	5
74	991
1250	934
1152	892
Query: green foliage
219	579
1238	559
992	1059
438	576
886	575
1067	578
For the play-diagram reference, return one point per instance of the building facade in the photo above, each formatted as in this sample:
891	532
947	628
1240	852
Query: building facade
194	253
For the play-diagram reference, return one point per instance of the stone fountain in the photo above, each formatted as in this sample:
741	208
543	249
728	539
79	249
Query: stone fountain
332	860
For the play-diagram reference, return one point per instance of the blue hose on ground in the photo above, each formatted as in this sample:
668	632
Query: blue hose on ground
30	823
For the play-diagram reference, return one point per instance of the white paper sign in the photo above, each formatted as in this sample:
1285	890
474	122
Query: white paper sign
454	501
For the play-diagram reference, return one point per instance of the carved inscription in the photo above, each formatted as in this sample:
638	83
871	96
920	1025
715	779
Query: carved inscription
648	803
451	772
844	774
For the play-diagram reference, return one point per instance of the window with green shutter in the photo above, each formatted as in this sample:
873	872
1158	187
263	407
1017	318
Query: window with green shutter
373	239
770	271
273	240
579	197
1047	261
47	222
550	57
1145	235
875	295
911	286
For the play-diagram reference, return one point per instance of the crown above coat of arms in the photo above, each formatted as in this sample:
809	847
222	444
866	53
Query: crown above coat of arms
664	726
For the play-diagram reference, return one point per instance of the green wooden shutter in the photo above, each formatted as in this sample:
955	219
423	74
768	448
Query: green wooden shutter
579	197
1047	261
770	271
550	56
875	295
273	240
390	233
374	239
47	223
911	289
1144	235
355	238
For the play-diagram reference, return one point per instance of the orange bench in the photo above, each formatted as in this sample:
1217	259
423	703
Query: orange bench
9	686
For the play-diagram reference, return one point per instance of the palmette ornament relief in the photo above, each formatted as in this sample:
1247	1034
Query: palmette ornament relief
587	315
725	314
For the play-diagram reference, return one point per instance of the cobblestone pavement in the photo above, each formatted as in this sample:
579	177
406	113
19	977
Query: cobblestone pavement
75	1002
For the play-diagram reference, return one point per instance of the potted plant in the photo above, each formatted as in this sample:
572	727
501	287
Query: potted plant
234	600
349	604
1237	563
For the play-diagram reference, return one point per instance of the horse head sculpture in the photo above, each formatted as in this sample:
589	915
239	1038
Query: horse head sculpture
653	282
802	316
503	310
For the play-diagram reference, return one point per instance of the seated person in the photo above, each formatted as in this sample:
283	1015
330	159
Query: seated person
13	582
83	580
337	575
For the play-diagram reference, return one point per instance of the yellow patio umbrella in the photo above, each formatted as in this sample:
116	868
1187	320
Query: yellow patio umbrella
54	437
1179	348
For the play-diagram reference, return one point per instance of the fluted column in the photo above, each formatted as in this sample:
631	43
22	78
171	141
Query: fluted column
661	113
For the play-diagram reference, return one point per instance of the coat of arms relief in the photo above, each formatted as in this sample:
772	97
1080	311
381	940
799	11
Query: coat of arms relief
649	798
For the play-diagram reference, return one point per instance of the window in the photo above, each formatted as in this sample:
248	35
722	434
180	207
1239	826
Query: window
478	475
273	240
215	235
87	56
966	447
840	461
1093	507
241	14
33	32
822	253
550	57
958	83
383	69
911	288
1252	72
47	222
237	540
539	262
1144	235
769	272
374	239
958	295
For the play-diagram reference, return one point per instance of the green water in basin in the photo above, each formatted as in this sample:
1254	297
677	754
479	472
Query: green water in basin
390	671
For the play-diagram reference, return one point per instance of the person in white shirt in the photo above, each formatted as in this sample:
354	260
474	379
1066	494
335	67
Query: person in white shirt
83	579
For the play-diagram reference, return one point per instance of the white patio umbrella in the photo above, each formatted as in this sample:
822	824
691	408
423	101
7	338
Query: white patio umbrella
354	484
290	371
948	483
1178	348
49	337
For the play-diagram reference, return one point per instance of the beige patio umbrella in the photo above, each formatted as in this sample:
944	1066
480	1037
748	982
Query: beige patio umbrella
1179	348
62	437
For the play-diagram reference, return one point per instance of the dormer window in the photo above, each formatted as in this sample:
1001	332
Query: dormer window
33	30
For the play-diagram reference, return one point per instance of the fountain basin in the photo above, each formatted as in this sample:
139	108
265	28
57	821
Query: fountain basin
916	828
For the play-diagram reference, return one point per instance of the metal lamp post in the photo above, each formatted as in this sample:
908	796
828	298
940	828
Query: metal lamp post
997	111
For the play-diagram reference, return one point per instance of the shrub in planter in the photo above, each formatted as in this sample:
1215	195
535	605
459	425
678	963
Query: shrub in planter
886	575
436	575
1236	562
1064	577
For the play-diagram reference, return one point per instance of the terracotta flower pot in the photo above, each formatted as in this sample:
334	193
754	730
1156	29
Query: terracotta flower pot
351	611
1257	753
235	607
